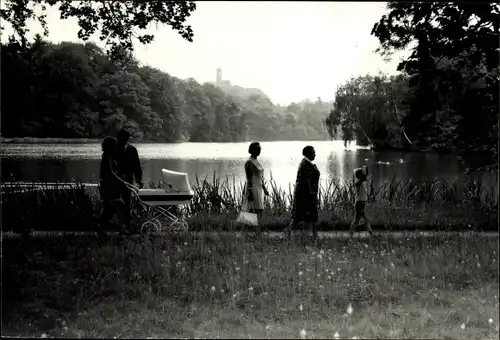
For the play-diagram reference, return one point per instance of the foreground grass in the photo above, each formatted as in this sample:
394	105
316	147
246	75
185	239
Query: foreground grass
229	286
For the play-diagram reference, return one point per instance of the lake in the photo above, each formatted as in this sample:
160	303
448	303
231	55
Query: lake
68	162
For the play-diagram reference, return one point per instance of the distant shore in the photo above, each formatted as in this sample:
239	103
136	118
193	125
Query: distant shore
34	140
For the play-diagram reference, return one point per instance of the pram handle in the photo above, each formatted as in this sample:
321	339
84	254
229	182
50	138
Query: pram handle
132	188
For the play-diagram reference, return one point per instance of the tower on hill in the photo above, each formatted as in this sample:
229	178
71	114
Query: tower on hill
218	79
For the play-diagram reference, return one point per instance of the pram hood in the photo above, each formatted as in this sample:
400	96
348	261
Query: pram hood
173	180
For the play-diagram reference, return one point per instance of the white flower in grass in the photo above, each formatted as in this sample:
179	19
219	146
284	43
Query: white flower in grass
329	277
336	335
268	327
237	269
301	308
301	273
350	309
212	289
185	243
490	321
462	326
250	289
43	335
321	252
303	333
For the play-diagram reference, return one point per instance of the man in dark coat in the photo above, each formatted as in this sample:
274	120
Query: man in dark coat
305	200
128	168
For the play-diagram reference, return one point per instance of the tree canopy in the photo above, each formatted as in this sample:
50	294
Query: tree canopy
117	22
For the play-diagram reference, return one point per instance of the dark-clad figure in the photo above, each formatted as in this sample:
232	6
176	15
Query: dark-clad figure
110	184
305	202
129	167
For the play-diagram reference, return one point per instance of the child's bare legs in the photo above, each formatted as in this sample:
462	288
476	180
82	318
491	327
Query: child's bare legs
359	213
367	224
353	225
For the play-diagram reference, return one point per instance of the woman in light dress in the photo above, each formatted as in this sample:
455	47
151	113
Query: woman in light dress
255	188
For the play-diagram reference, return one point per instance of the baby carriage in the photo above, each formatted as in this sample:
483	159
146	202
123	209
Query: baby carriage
157	204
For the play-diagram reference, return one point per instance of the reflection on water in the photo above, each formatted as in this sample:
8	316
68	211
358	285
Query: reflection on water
58	162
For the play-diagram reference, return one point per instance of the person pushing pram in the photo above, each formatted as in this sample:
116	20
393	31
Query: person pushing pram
128	167
119	166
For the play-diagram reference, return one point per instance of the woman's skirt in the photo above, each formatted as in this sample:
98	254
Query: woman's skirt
258	198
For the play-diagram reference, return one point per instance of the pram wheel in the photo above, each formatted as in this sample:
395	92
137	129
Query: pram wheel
149	227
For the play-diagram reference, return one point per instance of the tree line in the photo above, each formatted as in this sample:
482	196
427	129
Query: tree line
74	90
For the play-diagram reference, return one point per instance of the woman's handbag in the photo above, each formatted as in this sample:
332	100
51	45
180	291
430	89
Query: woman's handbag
247	218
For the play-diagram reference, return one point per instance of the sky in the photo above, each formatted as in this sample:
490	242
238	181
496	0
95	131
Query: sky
290	50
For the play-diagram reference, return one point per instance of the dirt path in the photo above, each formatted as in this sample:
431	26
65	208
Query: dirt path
273	234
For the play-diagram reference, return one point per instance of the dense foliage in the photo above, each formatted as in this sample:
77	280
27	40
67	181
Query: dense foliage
448	96
117	22
369	110
72	90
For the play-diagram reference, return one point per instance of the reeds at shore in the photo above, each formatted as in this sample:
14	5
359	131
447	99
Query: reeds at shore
218	200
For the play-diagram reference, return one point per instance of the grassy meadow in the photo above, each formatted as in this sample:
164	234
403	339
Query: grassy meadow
240	285
230	286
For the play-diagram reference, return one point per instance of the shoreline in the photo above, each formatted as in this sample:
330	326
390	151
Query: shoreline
34	140
51	140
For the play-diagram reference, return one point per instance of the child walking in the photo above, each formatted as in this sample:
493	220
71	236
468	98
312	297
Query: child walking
361	196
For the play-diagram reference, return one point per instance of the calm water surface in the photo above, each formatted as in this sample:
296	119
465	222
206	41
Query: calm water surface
67	162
